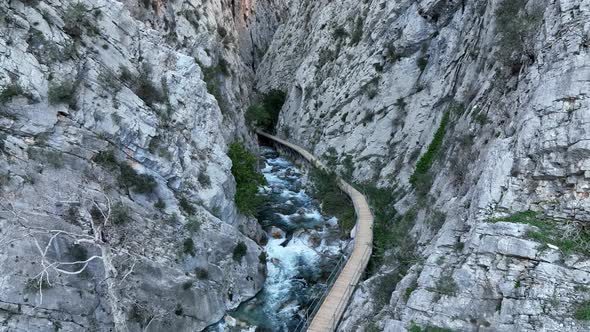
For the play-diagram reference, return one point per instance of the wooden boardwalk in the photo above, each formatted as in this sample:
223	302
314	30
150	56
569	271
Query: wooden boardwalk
332	308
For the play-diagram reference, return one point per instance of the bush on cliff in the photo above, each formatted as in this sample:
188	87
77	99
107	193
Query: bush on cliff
248	179
265	114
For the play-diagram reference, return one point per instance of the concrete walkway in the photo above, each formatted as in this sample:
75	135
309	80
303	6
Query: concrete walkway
331	310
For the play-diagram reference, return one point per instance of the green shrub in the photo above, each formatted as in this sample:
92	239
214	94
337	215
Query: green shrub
372	327
583	311
436	220
265	114
383	288
125	74
326	55
119	214
31	3
193	224
178	311
333	201
239	251
517	28
204	179
256	115
391	231
140	183
429	328
128	177
48	51
381	201
106	159
339	33
426	160
145	89
372	91
138	314
401	104
78	252
446	285
201	273
480	118
262	257
79	18
357	32
62	93
391	54
10	91
97	215
172	219
72	215
408	292
456	107
551	231
186	206
422	184
141	84
109	80
187	284
188	246
211	76
422	62
347	167
331	157
223	66
371	88
248	179
33	285
160	204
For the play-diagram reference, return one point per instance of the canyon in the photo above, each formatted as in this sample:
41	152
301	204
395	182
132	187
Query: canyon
463	122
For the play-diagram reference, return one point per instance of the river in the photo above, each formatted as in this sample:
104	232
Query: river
304	247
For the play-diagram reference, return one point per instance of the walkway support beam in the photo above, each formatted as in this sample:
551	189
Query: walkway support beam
333	306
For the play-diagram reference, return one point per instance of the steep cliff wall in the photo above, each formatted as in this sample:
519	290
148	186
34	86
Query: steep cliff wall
114	124
496	91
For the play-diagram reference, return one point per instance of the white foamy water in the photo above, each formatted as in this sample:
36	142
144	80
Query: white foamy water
297	264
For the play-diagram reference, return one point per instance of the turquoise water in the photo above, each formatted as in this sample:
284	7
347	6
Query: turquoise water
299	261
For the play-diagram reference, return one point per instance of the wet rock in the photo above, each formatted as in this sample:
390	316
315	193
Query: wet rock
314	239
230	321
277	233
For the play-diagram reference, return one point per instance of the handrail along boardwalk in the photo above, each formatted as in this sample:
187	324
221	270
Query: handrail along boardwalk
332	308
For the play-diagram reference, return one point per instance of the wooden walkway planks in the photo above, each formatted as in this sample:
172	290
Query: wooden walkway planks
332	309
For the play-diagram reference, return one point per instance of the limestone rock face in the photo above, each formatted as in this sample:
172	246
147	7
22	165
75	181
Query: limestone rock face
368	85
122	111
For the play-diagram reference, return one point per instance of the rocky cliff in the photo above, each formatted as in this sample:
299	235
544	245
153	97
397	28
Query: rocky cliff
116	194
470	116
463	121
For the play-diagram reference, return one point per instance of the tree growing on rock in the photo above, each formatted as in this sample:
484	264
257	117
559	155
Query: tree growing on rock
85	248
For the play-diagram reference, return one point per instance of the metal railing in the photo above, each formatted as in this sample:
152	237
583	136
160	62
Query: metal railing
343	303
315	305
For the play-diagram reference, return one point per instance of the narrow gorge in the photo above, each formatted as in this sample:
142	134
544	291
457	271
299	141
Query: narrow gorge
135	194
